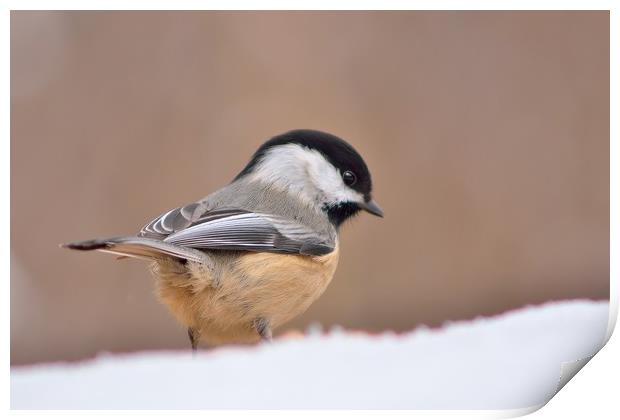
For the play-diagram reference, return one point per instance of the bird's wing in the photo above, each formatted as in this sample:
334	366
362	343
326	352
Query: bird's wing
236	229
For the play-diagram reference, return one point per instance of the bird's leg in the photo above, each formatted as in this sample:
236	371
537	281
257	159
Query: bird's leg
194	337
263	329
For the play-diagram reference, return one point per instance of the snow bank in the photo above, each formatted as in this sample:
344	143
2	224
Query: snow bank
512	361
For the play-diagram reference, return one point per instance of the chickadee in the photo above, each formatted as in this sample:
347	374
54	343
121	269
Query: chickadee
249	257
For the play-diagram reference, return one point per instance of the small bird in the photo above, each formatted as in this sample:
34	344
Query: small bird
249	257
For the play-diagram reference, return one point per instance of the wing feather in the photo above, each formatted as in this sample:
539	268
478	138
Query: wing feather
235	229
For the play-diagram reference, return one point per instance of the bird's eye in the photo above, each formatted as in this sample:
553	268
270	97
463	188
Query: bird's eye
349	178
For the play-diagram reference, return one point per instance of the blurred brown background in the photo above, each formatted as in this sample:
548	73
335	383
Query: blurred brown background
487	134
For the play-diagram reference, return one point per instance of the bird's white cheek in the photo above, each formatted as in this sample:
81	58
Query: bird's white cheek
305	173
329	182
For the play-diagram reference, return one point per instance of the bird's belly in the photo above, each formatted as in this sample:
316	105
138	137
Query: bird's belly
224	300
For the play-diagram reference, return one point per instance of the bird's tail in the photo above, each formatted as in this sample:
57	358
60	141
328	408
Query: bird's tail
137	247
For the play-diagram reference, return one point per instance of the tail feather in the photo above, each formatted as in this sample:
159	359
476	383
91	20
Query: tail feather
137	247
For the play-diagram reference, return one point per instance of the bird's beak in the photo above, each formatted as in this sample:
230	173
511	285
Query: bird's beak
372	208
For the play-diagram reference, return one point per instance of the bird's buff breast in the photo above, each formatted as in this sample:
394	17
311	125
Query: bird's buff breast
223	296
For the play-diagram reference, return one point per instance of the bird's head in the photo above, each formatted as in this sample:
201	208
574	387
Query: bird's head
317	167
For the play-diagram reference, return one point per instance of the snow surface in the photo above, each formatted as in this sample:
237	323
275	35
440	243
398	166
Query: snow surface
511	361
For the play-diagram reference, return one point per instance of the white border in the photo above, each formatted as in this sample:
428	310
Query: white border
592	392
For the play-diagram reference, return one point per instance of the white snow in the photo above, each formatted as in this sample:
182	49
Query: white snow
511	361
